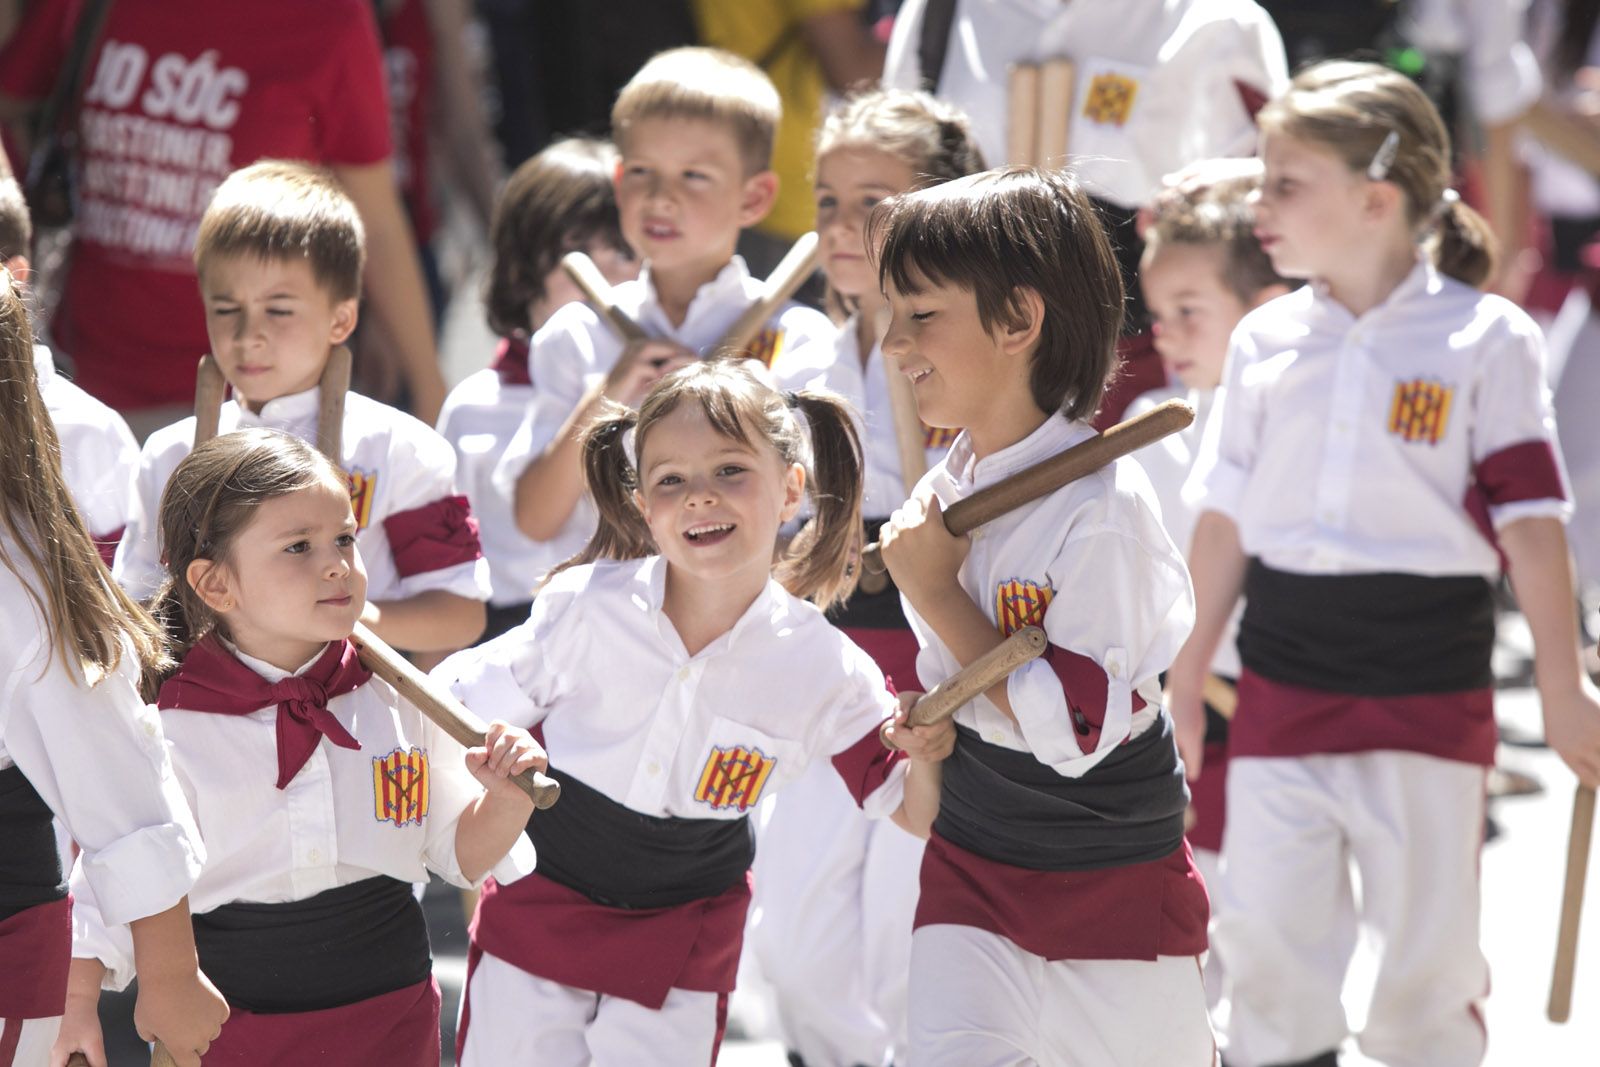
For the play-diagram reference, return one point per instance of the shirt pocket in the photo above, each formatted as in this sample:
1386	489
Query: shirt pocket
738	764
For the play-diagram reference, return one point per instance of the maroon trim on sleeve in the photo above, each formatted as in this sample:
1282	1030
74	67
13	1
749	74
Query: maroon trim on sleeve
1252	98
107	543
865	766
435	536
1524	471
1083	683
511	361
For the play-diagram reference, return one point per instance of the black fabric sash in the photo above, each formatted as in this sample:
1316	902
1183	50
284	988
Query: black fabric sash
1368	634
1006	806
30	866
872	611
625	859
341	946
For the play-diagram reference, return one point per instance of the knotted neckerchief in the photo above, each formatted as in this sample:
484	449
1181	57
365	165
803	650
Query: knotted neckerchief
212	679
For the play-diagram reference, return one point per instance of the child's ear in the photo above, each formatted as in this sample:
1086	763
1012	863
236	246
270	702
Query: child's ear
756	198
639	502
1383	199
1021	333
212	583
794	491
19	267
345	314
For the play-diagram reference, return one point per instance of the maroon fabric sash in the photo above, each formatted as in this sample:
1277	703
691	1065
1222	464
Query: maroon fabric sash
212	679
35	949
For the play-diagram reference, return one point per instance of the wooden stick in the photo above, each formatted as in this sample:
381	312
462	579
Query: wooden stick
597	292
439	705
159	1057
1047	476
1220	695
1022	115
1057	86
210	387
790	274
1571	905
334	385
979	676
909	436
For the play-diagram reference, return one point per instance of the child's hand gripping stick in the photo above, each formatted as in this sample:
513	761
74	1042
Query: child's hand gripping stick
979	676
789	275
597	293
159	1056
1571	905
450	714
1047	476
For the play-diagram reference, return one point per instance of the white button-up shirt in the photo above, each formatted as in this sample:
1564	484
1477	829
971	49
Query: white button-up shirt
99	457
394	464
1159	84
96	758
1116	588
333	824
1349	445
836	364
626	710
575	350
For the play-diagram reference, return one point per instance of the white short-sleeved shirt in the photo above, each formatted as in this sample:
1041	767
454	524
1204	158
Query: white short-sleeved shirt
1160	83
479	418
1168	463
574	350
836	364
99	457
1092	564
95	756
1352	444
332	825
396	465
1500	73
779	690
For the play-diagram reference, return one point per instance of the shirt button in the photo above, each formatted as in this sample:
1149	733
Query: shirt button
314	856
1115	670
150	729
652	768
683	674
996	737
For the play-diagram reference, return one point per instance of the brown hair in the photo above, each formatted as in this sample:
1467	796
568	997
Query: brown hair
740	406
560	200
279	210
1350	109
708	84
209	499
92	622
1217	215
1014	228
933	138
16	225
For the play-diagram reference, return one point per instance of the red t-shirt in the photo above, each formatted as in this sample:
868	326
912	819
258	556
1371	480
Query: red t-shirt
178	94
408	55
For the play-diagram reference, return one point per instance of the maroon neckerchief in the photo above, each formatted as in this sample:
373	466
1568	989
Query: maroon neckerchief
511	361
213	679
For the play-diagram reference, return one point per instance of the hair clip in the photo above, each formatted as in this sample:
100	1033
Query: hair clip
1383	158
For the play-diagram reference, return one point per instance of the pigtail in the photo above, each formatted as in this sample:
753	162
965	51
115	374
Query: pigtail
172	614
820	564
608	471
1463	245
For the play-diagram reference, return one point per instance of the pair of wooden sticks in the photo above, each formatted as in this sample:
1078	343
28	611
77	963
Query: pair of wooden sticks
433	700
1039	112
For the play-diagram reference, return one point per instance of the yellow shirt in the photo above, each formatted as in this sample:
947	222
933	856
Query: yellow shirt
769	31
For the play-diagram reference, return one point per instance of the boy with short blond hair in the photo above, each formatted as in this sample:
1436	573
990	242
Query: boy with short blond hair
279	256
694	128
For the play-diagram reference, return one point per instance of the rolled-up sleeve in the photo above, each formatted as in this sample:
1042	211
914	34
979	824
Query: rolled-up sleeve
1228	446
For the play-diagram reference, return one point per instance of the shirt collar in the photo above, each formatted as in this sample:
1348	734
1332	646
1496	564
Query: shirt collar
1055	435
651	575
1421	281
284	410
265	669
728	284
44	365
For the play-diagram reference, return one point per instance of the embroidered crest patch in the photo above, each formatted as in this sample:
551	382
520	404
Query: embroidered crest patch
733	777
939	436
1109	100
766	346
400	786
363	487
1019	603
1420	410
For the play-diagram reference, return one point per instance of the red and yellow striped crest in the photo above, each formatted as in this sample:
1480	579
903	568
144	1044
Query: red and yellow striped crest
939	436
363	487
400	786
1019	603
1420	410
733	777
1109	101
766	346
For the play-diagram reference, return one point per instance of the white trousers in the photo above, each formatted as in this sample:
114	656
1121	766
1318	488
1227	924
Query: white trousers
1288	911
831	923
977	1000
1209	864
26	1042
520	1020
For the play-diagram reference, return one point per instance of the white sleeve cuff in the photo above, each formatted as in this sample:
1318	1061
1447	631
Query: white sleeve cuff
469	580
1221	489
144	873
1503	515
518	862
885	800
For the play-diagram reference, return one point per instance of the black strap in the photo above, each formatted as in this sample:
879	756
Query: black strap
61	106
30	865
937	18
